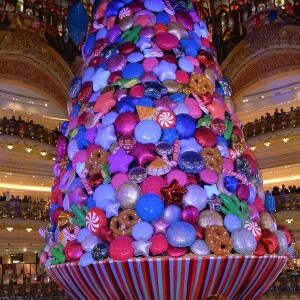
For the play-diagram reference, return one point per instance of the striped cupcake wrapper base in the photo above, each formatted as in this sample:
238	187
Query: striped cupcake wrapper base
227	277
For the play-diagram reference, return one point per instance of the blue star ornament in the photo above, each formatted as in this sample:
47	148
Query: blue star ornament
100	79
190	145
211	191
105	136
154	90
165	71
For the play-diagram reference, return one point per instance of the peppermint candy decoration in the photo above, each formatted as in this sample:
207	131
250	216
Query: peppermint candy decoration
254	228
95	219
36	25
71	236
166	119
125	12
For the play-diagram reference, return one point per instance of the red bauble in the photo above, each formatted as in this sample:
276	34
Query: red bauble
270	241
176	252
260	250
121	248
73	251
159	244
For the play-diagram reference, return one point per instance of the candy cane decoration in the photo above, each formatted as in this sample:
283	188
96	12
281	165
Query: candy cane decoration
240	177
176	151
71	236
157	50
200	103
169	9
85	183
97	25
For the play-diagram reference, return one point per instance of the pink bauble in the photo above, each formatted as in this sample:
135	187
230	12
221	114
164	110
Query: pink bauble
121	248
61	147
125	123
190	214
153	184
73	251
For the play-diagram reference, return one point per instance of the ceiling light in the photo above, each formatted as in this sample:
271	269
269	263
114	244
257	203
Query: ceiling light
10	146
29	229
9	228
43	153
24	249
289	220
46	104
28	149
253	148
6	249
267	144
285	139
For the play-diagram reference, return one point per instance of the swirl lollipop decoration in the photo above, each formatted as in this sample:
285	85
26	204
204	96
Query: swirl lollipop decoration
150	146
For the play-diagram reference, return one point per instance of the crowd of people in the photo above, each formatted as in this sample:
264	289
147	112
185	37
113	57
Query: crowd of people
24	199
283	190
279	120
18	126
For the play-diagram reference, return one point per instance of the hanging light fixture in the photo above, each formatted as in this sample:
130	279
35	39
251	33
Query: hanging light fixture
253	148
28	149
289	220
29	229
9	228
10	146
43	153
267	144
285	139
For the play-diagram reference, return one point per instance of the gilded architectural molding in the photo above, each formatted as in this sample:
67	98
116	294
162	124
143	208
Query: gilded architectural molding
26	57
268	50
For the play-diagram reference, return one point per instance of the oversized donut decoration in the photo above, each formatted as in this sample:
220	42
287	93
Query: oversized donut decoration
212	159
201	84
218	240
96	158
122	224
254	228
95	219
166	119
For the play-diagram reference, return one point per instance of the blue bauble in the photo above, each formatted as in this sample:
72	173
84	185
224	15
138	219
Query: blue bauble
230	183
191	162
77	22
142	230
185	126
172	214
149	207
232	222
181	234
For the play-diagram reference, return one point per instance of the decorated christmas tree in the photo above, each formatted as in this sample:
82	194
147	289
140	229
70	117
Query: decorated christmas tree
153	161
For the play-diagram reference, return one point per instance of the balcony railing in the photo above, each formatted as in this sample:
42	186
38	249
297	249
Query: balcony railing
28	130
289	201
24	210
32	291
271	123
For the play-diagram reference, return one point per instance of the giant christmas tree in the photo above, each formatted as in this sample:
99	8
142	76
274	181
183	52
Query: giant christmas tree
153	161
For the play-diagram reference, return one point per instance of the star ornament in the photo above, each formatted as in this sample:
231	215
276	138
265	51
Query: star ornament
141	247
104	103
154	90
160	226
143	153
105	136
165	71
119	161
165	104
211	191
173	193
178	30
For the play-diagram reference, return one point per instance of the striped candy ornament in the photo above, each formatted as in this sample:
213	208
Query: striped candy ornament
71	236
254	228
233	277
166	119
125	12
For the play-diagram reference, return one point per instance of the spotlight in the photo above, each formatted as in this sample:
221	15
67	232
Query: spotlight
28	149
285	139
43	153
